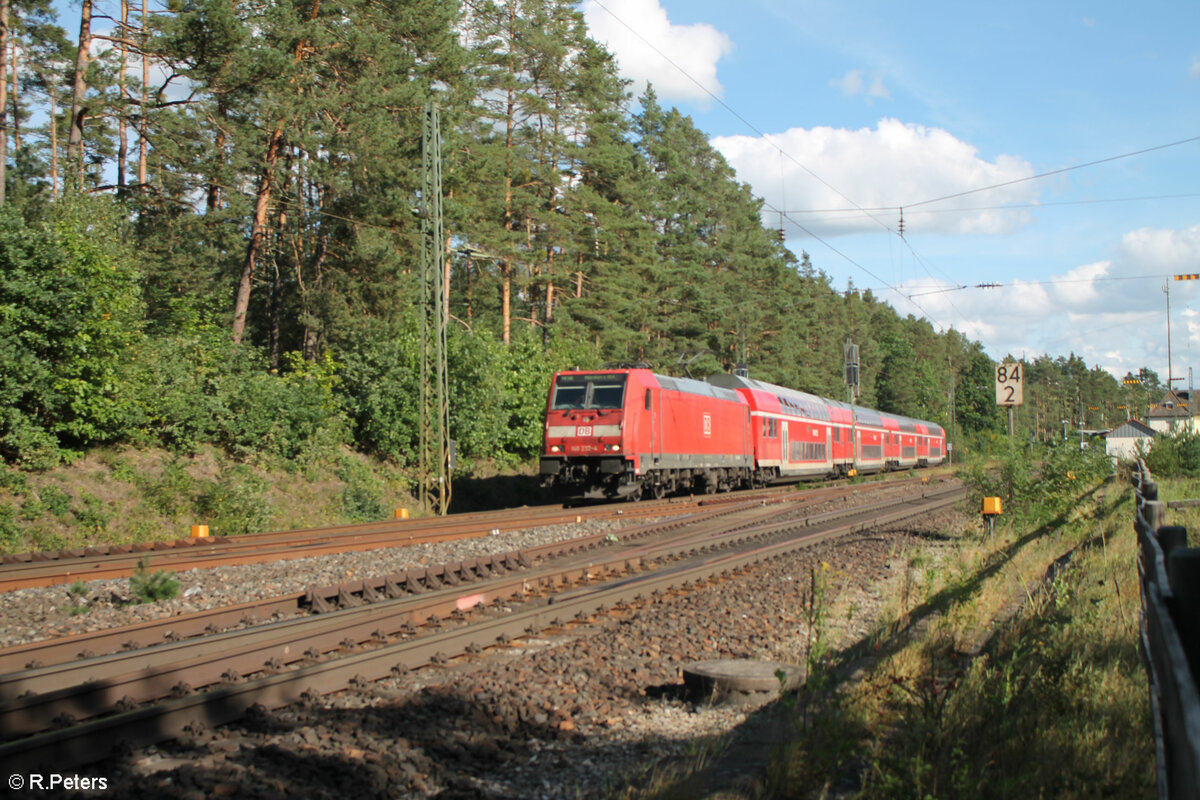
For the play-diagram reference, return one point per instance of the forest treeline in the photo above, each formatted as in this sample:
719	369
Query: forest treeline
208	236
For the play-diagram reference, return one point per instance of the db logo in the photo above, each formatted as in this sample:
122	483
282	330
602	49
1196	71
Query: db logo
583	430
708	424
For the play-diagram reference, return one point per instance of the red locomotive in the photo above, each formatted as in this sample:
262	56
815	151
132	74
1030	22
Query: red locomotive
630	432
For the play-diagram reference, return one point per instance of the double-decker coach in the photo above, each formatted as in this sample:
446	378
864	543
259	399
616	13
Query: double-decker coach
796	434
631	432
904	443
802	435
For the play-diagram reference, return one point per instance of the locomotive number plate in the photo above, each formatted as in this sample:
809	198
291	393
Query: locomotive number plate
583	430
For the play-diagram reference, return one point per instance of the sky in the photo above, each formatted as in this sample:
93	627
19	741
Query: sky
1044	157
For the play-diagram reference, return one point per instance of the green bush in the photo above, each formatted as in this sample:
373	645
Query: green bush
380	387
93	514
173	492
1175	456
361	496
1041	484
236	503
69	288
150	587
10	532
13	480
193	386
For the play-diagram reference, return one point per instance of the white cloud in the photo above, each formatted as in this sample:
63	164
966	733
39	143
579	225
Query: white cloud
894	165
852	84
643	56
1111	313
1162	251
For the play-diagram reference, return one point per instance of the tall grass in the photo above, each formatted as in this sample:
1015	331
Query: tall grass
1009	668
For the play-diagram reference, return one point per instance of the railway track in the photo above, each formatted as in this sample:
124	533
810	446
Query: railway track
50	568
463	609
113	561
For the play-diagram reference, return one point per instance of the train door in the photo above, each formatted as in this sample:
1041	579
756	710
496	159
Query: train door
654	410
784	451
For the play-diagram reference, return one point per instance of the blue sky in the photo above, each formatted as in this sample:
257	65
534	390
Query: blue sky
831	110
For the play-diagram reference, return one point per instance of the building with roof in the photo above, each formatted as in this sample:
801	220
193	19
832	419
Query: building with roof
1178	411
1125	440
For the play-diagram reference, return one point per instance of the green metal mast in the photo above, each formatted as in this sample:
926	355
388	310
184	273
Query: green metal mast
434	461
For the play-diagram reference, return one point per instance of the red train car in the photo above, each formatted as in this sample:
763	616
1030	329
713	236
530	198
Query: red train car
800	435
796	434
629	432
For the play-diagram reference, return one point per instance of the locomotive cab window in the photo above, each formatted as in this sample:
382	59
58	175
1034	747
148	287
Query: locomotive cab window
588	391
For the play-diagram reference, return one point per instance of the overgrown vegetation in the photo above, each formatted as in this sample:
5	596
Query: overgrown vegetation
1010	668
150	587
160	494
1175	456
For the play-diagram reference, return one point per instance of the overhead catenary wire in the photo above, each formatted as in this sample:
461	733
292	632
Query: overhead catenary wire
783	154
1052	172
1049	282
757	131
1007	206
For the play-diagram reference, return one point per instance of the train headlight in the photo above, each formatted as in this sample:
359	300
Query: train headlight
555	448
615	448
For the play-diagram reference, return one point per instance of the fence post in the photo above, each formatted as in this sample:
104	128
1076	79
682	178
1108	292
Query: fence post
1183	571
1154	512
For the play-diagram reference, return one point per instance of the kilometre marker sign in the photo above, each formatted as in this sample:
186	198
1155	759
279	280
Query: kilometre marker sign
1010	383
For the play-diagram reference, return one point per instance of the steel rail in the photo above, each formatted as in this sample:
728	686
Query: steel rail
31	699
117	561
158	631
93	740
163	630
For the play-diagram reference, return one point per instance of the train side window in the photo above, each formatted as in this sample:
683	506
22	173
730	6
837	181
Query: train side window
647	399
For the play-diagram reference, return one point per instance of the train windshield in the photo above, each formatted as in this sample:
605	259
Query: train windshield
588	391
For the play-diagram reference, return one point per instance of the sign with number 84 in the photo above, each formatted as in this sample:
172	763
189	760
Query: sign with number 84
1010	383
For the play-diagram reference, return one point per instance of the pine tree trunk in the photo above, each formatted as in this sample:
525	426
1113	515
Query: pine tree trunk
509	124
258	235
79	107
16	109
506	301
122	90
262	204
4	5
53	147
143	143
214	187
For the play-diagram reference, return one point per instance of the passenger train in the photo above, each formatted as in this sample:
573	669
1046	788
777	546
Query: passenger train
629	433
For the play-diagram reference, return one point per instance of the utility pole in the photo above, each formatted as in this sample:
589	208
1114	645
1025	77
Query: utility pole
950	362
434	456
1167	292
850	367
1191	276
